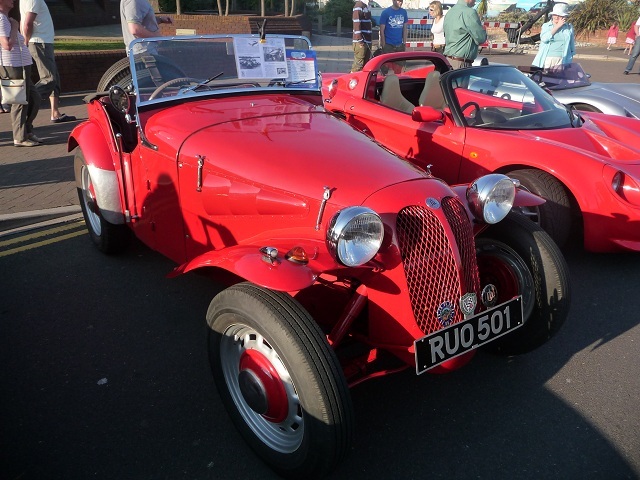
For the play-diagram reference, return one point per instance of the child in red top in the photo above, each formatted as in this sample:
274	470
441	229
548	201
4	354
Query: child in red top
612	35
630	41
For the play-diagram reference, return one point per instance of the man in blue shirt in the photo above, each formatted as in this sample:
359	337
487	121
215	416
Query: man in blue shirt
393	28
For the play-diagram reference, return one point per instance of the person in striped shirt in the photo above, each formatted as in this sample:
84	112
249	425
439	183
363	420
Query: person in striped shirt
16	64
361	35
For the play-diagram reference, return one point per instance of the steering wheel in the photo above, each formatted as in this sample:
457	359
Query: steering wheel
475	115
281	82
171	83
537	76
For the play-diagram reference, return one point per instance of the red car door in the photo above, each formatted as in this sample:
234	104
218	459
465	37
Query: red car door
438	143
160	225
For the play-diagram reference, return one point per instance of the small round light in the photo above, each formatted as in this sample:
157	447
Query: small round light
491	197
297	255
617	181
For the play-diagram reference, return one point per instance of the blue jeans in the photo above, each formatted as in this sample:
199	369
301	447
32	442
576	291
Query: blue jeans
634	54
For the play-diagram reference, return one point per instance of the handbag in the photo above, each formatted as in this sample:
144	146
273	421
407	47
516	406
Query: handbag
14	91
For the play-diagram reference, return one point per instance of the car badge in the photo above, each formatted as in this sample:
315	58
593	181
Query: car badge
432	203
489	295
353	83
446	313
468	303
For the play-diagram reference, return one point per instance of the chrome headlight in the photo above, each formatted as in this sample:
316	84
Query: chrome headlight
491	197
354	235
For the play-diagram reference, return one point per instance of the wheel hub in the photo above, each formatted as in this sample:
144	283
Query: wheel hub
261	386
253	391
90	202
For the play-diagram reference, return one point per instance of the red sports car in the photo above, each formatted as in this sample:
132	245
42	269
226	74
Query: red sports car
343	262
494	119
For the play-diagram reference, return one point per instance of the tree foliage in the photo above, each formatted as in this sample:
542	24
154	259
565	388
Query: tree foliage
483	6
335	9
591	16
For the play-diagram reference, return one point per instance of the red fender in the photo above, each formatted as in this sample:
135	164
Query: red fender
247	262
101	161
527	199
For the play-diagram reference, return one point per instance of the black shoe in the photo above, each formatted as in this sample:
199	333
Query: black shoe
626	72
63	118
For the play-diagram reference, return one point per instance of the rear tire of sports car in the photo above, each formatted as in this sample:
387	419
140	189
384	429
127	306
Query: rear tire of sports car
117	74
519	258
120	74
279	380
584	107
554	216
109	238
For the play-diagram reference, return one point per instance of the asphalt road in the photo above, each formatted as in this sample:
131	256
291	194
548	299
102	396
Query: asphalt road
105	376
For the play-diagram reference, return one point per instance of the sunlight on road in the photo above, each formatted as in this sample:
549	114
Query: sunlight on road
29	241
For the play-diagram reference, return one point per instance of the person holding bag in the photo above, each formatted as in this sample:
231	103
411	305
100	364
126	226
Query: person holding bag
15	64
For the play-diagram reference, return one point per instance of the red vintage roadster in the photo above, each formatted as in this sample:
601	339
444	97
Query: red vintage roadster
344	262
495	119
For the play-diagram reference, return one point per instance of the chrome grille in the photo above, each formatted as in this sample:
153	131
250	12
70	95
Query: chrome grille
461	226
429	263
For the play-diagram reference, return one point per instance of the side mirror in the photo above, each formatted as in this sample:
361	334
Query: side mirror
426	114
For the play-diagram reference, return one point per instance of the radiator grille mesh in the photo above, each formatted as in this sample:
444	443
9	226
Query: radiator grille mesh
429	263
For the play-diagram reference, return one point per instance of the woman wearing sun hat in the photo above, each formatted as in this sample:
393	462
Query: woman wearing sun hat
557	40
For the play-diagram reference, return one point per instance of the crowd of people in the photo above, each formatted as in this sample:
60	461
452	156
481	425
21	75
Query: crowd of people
29	43
459	34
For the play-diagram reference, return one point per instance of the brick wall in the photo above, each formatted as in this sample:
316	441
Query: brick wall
214	24
81	71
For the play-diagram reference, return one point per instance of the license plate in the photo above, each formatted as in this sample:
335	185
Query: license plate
461	337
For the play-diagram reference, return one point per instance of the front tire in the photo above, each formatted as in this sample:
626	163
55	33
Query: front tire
279	380
109	238
520	258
